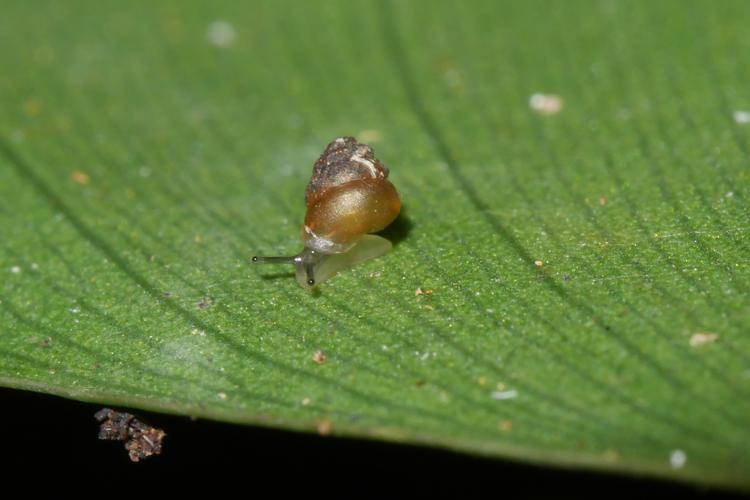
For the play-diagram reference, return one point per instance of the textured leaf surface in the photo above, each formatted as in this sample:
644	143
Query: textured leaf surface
576	259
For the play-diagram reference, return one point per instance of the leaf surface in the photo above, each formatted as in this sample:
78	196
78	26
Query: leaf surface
588	265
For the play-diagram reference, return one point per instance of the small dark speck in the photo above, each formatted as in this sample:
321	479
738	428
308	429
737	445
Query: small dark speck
46	342
566	277
205	303
166	295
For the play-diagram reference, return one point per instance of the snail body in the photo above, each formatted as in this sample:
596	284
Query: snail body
349	196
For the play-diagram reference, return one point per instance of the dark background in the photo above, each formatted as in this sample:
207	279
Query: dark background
47	434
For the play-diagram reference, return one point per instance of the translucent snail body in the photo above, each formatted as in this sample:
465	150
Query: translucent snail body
349	196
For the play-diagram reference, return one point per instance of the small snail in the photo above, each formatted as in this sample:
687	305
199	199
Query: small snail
348	197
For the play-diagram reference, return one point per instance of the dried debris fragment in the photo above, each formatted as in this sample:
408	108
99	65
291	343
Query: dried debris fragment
319	357
205	303
325	427
702	338
505	425
141	440
80	177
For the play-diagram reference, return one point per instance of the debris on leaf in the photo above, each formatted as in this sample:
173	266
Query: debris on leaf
741	117
677	459
610	455
221	34
702	338
205	303
546	104
419	291
33	107
503	395
141	440
324	427
80	177
538	263
319	357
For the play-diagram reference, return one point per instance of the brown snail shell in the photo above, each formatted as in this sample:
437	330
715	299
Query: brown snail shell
349	196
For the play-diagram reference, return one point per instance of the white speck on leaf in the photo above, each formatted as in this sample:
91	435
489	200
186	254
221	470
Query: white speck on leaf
546	104
702	338
677	459
741	117
221	34
15	269
503	395
223	396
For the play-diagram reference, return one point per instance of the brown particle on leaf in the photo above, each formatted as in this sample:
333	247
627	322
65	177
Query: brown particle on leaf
538	263
420	291
319	357
482	380
324	427
505	425
141	440
603	200
46	342
80	177
610	455
205	303
32	107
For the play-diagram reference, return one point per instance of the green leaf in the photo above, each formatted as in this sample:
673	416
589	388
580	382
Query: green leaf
588	265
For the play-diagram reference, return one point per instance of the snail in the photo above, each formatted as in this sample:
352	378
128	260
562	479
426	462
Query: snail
348	198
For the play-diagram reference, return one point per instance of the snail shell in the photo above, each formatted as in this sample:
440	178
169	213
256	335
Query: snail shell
349	196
